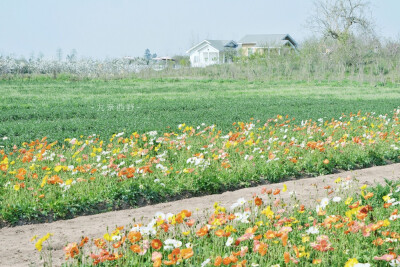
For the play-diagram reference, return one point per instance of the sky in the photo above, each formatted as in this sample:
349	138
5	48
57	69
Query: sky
118	28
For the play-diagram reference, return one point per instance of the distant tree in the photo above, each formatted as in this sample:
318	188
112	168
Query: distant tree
40	56
183	61
72	56
59	54
147	56
339	19
154	55
32	56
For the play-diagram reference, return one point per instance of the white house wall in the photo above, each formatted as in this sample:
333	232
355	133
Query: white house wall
204	56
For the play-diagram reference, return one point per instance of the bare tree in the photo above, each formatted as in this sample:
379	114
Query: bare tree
339	19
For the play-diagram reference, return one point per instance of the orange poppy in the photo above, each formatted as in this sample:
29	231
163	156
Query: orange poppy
121	156
165	227
55	179
71	250
84	241
225	165
321	212
240	264
218	261
117	245
322	244
257	237
369	195
385	233
236	253
302	208
258	201
179	218
135	248
354	205
361	216
233	258
220	233
284	239
378	242
3	167
134	236
277	191
99	242
202	231
387	205
271	156
156	244
340	225
251	230
286	257
226	261
269	234
187	253
145	169
296	250
263	248
186	213
190	222
173	257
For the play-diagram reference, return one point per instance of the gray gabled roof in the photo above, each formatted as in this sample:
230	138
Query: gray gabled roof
220	45
261	40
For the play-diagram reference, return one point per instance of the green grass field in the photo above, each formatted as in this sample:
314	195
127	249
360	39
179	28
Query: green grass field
30	110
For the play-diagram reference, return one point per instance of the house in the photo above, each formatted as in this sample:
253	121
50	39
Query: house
209	52
266	43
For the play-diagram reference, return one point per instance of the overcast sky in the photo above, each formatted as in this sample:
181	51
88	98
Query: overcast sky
116	28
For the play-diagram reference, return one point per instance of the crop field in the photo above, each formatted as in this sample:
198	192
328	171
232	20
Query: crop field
63	157
31	110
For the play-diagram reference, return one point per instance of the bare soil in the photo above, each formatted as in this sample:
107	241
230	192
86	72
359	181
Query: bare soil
17	250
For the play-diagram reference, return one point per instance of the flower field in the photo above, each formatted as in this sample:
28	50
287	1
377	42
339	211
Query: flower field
343	229
44	181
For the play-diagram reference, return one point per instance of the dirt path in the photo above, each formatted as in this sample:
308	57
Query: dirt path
17	250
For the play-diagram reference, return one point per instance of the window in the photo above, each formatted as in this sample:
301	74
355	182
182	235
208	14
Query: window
250	51
214	56
205	56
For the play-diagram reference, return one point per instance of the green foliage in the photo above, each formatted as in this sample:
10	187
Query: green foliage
32	109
